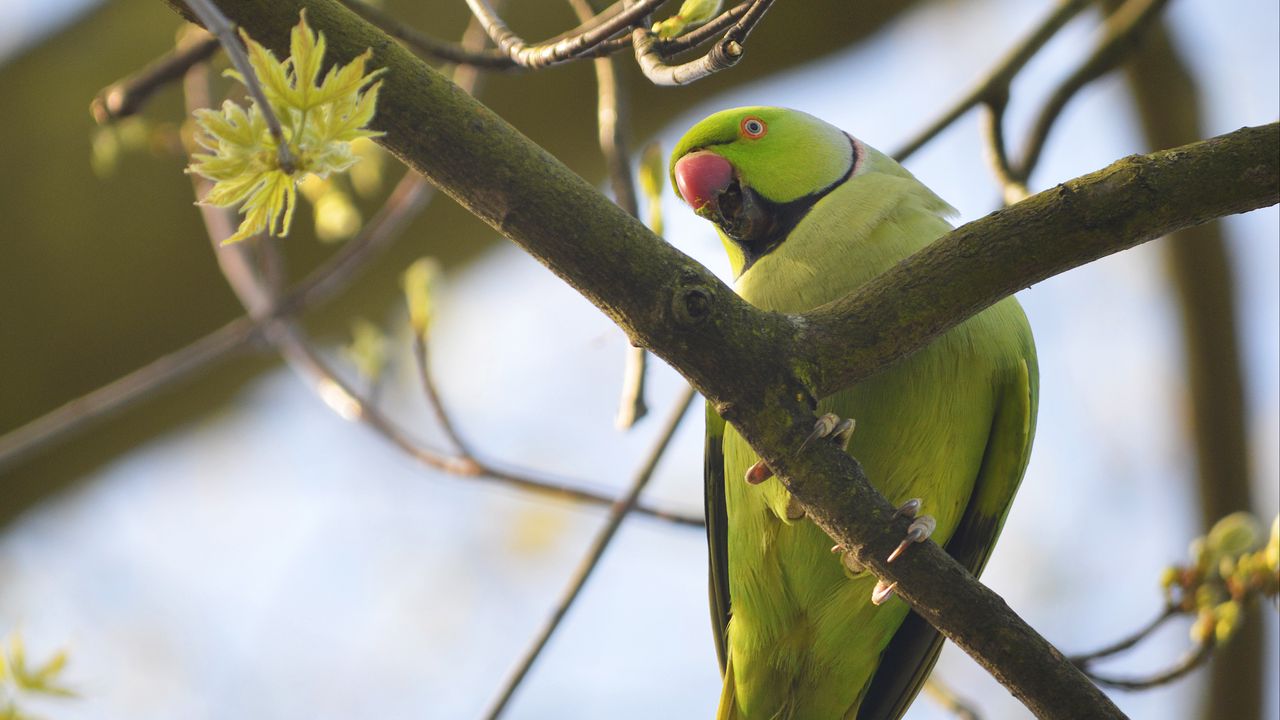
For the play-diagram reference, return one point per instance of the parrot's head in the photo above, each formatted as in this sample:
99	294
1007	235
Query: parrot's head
755	171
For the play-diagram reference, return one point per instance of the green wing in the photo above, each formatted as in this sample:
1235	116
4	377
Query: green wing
916	644
717	531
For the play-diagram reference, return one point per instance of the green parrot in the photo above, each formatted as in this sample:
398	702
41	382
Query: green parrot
807	214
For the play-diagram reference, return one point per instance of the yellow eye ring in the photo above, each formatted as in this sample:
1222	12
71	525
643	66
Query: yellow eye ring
753	127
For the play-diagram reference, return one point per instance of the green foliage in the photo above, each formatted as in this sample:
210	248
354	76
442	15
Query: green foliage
320	119
1230	567
18	678
421	283
367	350
692	13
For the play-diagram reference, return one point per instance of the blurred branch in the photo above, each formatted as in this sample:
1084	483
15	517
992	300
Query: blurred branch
1190	661
762	371
617	513
246	265
1200	273
422	358
426	45
611	114
995	87
945	697
126	97
22	442
1082	661
1124	28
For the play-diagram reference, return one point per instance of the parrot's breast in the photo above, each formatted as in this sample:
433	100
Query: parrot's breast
803	638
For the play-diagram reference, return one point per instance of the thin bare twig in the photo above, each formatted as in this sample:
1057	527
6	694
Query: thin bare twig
222	28
1082	661
163	372
946	698
998	80
426	45
421	357
723	55
1124	27
611	117
126	97
1190	661
617	513
585	37
993	120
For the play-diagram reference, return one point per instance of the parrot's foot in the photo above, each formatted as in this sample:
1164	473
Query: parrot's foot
919	530
832	427
847	559
794	511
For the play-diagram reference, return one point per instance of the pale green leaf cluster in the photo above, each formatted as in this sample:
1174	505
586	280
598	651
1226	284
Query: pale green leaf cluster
367	350
320	117
692	13
18	677
1230	567
421	284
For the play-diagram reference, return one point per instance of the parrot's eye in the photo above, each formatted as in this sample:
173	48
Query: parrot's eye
753	127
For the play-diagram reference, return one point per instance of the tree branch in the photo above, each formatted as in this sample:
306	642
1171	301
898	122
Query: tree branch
1136	199
751	364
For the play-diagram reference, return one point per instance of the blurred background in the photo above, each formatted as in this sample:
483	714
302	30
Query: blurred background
230	547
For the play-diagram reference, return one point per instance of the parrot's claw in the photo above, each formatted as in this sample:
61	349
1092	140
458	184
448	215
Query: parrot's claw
882	592
909	508
918	531
758	473
831	426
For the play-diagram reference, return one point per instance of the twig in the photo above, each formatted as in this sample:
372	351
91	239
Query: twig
948	700
999	79
1190	661
582	39
1124	27
1082	661
674	46
1014	189
611	121
433	396
723	55
126	97
617	513
426	45
163	372
255	293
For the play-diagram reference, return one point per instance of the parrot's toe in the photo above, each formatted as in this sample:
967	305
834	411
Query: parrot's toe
833	427
882	592
918	531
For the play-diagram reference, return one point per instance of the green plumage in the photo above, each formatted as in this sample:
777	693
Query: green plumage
952	424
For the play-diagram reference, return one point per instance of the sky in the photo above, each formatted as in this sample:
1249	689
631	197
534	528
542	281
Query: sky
274	561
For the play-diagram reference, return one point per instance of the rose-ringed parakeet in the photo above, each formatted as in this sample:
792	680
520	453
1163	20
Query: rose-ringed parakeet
808	214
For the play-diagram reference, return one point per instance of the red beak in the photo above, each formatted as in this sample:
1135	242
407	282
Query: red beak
701	177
